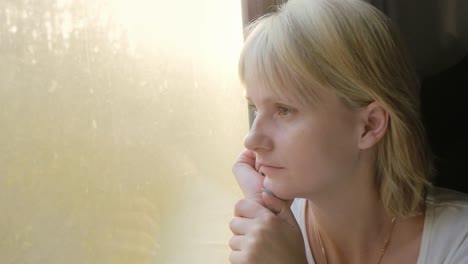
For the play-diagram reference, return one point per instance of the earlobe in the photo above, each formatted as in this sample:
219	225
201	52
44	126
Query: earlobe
375	122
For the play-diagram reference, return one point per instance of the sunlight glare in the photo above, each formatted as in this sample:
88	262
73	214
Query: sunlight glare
187	28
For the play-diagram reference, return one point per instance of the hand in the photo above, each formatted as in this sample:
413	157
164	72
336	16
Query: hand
249	179
261	236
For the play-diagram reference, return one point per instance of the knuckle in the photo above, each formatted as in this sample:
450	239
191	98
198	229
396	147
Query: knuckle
250	257
258	232
265	222
239	206
240	257
234	167
269	219
252	243
232	224
232	257
232	242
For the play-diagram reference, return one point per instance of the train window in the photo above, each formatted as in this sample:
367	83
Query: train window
119	124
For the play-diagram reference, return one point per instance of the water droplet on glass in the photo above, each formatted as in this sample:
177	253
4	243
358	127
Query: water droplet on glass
13	29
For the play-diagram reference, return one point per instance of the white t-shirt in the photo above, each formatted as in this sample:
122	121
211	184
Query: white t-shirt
445	233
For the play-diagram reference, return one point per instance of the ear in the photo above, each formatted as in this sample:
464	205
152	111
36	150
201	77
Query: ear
374	125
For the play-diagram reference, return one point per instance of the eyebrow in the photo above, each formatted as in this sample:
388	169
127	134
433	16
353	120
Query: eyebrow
273	100
266	100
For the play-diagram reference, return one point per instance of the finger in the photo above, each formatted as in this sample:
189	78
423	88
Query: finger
250	157
248	208
248	179
235	243
282	208
239	225
237	257
247	156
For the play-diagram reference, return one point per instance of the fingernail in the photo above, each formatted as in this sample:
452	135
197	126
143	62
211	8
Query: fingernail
269	192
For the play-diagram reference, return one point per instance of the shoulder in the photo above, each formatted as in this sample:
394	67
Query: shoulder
447	205
446	226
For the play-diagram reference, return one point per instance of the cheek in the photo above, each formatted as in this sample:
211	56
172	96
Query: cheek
322	154
303	153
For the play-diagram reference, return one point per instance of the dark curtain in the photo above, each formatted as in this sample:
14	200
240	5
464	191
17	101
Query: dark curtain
436	34
435	31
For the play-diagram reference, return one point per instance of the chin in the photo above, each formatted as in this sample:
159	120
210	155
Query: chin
278	190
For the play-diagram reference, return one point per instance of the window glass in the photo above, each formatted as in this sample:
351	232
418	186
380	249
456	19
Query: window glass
119	124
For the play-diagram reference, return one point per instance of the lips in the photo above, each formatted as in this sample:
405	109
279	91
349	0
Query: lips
268	169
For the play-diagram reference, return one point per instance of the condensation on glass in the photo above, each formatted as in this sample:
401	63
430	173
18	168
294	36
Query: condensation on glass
119	121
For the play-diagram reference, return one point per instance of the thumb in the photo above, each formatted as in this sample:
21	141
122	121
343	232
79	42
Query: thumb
282	208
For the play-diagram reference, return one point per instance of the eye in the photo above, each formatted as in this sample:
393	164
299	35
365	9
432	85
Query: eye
285	111
253	109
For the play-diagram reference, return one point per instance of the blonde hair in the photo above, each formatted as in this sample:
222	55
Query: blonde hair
351	48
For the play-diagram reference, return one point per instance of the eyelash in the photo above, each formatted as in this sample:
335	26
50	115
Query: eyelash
253	109
281	110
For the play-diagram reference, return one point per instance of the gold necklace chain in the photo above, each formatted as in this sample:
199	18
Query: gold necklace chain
318	237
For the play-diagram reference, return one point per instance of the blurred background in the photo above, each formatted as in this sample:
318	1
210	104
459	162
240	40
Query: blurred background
119	122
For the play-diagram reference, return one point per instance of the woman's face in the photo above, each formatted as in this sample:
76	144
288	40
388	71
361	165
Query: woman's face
302	149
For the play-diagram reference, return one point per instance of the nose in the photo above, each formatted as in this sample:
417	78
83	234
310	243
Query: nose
259	137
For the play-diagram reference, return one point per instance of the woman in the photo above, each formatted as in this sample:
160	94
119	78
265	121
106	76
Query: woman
336	168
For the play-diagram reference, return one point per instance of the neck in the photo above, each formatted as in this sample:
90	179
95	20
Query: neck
352	221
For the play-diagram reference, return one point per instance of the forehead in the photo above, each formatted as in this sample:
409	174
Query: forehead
259	96
274	83
268	65
267	74
260	91
264	87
